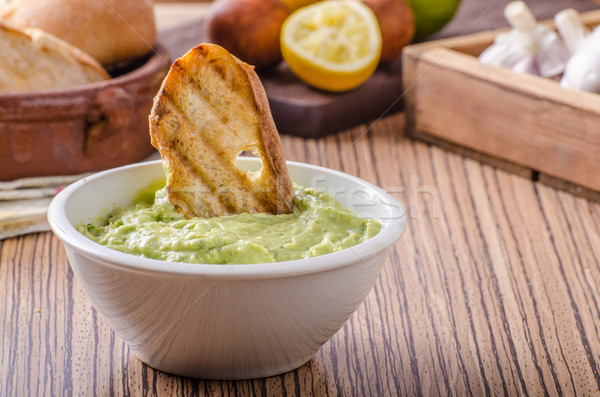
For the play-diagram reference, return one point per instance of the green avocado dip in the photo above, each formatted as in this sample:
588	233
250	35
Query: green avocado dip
152	228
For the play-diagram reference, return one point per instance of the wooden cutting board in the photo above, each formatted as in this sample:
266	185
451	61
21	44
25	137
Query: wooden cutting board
302	111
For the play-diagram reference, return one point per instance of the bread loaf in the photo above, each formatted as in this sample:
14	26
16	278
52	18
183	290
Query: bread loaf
211	107
34	60
109	30
7	5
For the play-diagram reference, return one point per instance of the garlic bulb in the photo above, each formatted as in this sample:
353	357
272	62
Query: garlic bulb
583	69
529	47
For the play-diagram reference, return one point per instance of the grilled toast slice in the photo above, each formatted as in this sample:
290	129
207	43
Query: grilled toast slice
34	60
210	107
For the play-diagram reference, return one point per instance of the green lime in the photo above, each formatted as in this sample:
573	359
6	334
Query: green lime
432	15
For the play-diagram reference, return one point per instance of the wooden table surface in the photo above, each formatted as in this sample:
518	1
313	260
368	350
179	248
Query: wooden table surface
493	289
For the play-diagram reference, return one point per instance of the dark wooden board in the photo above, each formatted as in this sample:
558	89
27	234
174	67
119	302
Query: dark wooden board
302	111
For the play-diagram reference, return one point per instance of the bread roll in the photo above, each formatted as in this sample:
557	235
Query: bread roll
7	5
34	60
109	30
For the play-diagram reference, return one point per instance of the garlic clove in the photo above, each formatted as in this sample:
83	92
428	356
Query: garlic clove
510	55
526	65
552	55
507	48
519	16
571	29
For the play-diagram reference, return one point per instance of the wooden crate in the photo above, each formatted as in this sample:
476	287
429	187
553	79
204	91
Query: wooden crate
528	124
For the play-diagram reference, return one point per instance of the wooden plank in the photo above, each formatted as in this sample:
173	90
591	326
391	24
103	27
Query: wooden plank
572	188
475	155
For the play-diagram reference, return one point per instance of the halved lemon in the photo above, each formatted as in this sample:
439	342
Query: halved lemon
333	45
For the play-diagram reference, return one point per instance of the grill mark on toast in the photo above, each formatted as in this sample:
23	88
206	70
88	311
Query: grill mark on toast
240	178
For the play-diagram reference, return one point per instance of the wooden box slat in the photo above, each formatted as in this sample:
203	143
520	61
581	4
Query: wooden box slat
527	120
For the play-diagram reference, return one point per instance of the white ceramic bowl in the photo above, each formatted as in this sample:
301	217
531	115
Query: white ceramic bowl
223	321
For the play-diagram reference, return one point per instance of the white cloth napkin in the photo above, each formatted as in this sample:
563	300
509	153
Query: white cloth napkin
24	202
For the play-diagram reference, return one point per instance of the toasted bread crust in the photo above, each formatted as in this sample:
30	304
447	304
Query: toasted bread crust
212	106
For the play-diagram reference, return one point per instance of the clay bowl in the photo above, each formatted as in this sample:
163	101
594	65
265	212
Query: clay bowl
81	129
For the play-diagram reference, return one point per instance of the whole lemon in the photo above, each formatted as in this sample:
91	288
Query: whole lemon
432	15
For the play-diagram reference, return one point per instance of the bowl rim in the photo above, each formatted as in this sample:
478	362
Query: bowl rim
391	231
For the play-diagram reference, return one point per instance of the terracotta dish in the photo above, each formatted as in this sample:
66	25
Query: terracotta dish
83	129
